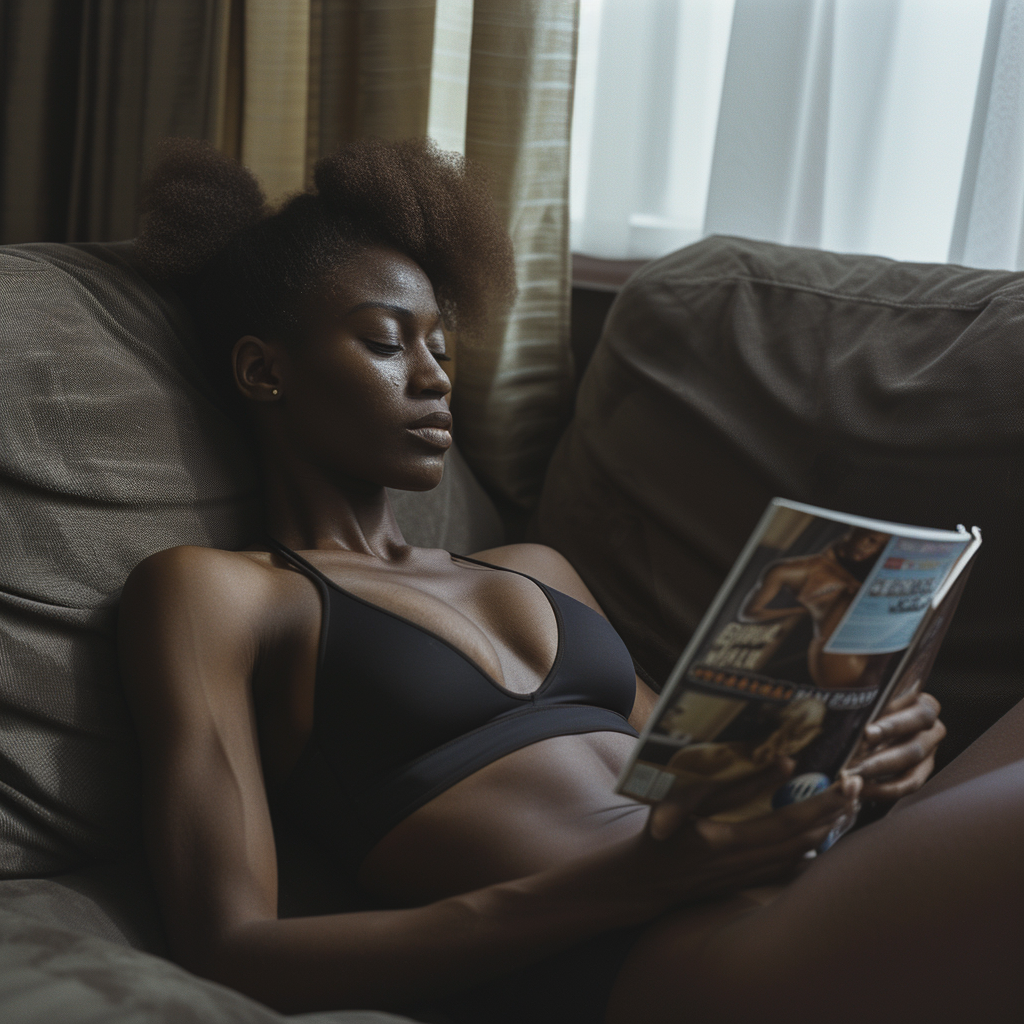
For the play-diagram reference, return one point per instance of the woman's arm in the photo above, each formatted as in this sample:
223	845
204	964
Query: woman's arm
193	626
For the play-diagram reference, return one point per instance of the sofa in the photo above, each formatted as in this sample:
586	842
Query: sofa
727	372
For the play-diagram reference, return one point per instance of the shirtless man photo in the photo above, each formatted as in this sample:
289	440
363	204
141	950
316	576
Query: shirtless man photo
822	586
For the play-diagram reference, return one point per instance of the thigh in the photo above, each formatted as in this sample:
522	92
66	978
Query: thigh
1000	745
916	917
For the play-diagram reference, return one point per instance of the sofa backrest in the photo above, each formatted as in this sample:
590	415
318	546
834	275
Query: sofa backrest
733	371
112	446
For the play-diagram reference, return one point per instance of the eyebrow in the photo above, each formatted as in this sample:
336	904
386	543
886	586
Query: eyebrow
397	310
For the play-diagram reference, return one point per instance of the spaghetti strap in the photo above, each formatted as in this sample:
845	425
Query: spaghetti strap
297	560
322	584
500	568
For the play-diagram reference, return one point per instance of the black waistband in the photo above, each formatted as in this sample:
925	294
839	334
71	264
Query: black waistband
353	831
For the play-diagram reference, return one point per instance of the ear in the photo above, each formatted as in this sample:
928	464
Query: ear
257	369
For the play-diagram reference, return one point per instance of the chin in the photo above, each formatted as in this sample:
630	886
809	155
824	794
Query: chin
422	477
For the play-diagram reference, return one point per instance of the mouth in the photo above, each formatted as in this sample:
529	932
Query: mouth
434	428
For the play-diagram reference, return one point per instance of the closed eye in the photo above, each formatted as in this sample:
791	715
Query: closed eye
441	357
383	348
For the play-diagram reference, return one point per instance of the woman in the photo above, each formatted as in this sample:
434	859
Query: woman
451	728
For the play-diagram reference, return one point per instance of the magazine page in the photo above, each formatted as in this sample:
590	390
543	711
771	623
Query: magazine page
795	655
916	664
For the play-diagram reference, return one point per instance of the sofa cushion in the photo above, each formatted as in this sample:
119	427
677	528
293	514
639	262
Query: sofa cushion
112	447
732	371
49	974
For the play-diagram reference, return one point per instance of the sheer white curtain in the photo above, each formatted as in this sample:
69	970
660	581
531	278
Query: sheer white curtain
884	126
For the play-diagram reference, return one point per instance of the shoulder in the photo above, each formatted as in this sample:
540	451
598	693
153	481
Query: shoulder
194	575
544	564
201	603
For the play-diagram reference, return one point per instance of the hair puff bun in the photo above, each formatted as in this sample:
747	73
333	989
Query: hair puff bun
195	201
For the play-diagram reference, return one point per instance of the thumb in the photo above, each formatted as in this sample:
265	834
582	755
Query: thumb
665	819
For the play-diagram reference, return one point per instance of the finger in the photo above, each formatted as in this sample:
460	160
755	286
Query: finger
665	819
785	825
726	868
920	715
894	789
903	757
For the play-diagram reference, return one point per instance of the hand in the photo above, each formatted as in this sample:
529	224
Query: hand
897	753
708	858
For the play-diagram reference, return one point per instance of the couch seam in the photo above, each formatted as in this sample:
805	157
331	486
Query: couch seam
847	296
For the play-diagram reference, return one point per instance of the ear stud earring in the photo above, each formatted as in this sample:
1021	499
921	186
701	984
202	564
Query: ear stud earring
274	392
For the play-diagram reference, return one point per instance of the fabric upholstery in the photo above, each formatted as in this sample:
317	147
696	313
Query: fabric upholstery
112	447
732	371
50	974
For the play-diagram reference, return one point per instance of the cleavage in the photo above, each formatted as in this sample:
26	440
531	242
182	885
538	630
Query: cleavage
501	622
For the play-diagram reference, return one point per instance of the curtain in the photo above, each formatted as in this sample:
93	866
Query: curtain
893	127
88	86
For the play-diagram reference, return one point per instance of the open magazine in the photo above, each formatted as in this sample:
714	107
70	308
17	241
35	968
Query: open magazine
825	620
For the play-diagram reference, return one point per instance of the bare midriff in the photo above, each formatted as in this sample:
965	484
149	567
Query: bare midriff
532	809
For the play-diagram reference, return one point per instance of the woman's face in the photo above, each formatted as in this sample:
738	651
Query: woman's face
363	393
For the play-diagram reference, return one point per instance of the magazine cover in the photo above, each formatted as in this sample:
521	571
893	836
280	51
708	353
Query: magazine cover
824	618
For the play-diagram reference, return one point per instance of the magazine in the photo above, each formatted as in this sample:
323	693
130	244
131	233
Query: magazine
825	621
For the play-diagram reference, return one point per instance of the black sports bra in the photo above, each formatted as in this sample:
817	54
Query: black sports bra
400	715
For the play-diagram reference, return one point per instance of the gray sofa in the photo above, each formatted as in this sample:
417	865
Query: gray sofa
111	447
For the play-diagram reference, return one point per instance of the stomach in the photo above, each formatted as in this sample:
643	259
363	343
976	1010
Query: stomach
532	809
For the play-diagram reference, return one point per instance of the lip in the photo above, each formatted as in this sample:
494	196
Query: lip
440	419
434	428
436	436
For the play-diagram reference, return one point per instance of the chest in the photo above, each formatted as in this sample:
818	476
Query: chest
399	645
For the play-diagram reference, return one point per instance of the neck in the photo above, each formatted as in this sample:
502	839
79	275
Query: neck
306	511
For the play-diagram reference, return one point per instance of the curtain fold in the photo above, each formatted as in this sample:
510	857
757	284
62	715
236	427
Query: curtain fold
372	75
988	230
893	127
40	43
148	70
515	388
88	87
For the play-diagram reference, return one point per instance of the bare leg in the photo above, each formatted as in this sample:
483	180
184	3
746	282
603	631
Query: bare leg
919	917
1002	744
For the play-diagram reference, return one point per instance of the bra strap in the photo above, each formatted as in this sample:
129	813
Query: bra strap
297	560
322	584
500	568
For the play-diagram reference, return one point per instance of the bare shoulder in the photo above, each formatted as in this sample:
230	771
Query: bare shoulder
202	578
544	564
189	566
192	605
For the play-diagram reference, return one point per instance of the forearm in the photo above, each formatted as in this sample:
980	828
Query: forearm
394	959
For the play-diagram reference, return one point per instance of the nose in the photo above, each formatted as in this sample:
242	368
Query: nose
428	377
